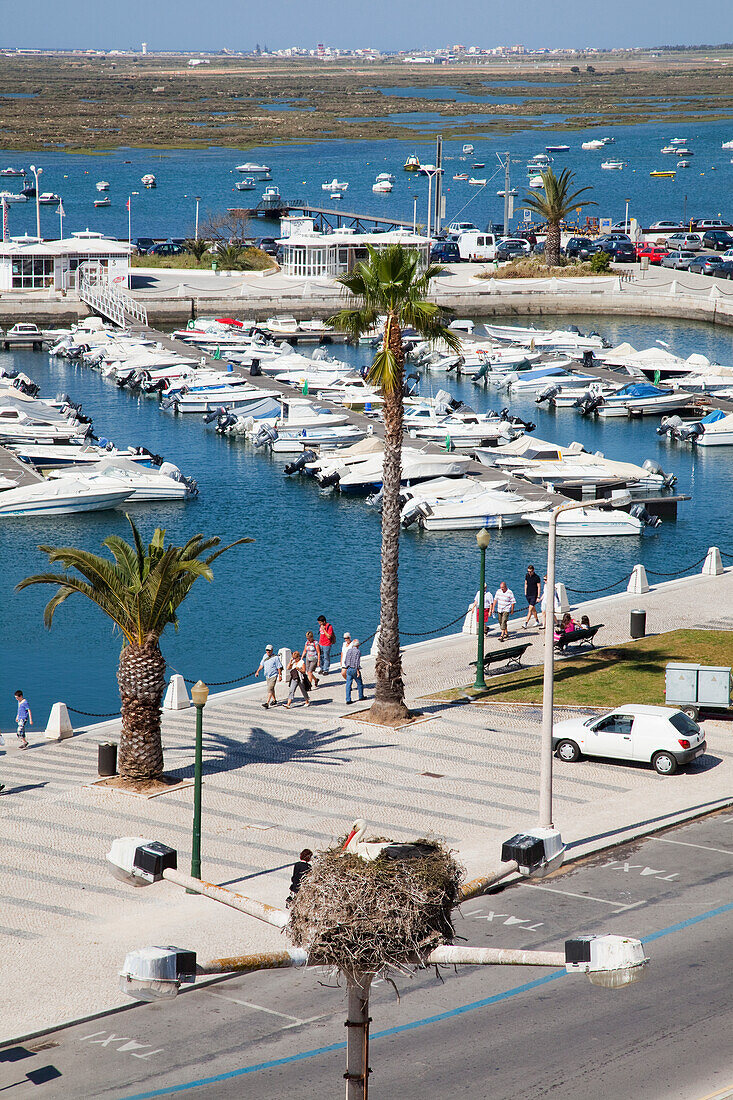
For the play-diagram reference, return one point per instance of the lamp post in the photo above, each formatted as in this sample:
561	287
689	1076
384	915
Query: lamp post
198	200
414	213
430	199
199	695
548	675
36	173
483	538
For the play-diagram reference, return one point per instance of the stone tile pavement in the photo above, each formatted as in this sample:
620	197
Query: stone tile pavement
277	780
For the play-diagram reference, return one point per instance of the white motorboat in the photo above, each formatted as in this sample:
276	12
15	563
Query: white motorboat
247	184
536	183
334	186
142	483
467	150
713	430
458	434
102	185
725	145
295	413
53	456
271	198
476	181
149	180
678	141
18	426
245	402
541	160
537	378
559	339
296	440
12	196
486	506
612	165
582	522
597	143
382	187
49	198
416	466
643	399
62	496
387	177
524	448
252	168
581	468
106	201
21	171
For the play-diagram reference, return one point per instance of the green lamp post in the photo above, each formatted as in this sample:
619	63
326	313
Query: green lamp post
483	538
199	695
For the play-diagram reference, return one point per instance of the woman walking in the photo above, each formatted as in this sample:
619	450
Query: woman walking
297	678
311	657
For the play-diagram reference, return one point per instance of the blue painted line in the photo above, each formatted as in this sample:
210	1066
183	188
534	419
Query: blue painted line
671	930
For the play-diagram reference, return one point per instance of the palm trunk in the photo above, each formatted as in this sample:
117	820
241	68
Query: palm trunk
141	679
389	696
552	245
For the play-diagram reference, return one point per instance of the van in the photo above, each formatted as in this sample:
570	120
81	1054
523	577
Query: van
475	245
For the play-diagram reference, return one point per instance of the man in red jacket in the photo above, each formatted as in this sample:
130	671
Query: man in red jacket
326	639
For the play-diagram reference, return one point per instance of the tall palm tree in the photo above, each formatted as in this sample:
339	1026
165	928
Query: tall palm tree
140	591
553	204
391	289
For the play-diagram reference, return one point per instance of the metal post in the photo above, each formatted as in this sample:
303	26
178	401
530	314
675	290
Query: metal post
357	1039
480	683
196	842
430	199
438	180
626	222
506	196
548	685
198	200
414	213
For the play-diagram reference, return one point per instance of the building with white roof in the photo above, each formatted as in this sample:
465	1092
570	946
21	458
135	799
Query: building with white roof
306	253
27	263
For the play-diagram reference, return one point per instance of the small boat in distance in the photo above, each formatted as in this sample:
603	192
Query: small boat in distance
104	201
557	148
478	164
251	168
725	145
536	183
412	164
271	198
662	175
247	184
669	149
386	176
334	186
12	196
149	180
683	164
475	182
49	198
595	144
611	164
678	141
468	149
462	176
21	171
382	187
102	185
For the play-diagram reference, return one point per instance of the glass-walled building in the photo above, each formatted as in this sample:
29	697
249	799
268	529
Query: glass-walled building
29	264
308	254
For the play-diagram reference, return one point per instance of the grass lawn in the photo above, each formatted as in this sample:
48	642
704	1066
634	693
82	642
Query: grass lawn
630	673
254	259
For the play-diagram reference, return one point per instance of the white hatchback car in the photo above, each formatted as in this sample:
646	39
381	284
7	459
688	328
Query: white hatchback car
661	736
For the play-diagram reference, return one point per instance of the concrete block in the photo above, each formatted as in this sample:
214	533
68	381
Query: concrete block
470	623
713	565
561	597
59	724
638	583
714	292
176	696
375	644
673	288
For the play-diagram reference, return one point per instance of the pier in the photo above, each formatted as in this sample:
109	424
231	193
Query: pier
325	218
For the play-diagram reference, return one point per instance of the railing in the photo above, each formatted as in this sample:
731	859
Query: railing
106	298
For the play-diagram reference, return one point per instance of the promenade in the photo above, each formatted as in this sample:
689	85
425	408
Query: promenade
278	780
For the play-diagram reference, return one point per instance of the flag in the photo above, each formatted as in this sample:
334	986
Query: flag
62	212
127	205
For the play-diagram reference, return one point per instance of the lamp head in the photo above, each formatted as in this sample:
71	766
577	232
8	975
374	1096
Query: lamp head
483	538
199	694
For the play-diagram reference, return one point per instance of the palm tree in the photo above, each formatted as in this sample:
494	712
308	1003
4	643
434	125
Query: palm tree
390	288
553	206
232	256
196	246
140	591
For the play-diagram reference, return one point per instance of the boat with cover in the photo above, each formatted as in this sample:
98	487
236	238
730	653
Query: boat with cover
612	165
102	185
52	456
581	468
247	184
382	187
252	168
295	440
478	505
416	466
59	497
643	399
597	143
713	430
584	522
142	483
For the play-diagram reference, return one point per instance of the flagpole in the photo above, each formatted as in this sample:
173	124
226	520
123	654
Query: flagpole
129	236
61	221
5	219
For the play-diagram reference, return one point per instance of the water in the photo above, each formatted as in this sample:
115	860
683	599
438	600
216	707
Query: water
317	553
299	171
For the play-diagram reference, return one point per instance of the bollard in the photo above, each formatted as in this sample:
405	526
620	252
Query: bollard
59	724
638	583
176	696
562	603
375	644
713	565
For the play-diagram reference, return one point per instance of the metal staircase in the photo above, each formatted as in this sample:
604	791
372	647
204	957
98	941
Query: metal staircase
107	299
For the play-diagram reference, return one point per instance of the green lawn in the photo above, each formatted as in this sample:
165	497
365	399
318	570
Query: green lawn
633	672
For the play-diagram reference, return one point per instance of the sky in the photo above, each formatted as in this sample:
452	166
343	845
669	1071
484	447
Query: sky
383	24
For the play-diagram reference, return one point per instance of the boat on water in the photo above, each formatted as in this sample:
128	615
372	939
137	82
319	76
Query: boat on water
102	185
251	168
271	198
667	149
461	176
334	186
467	150
643	399
661	175
597	143
584	522
54	456
713	430
382	187
678	141
388	176
557	148
502	194
474	506
247	184
474	181
412	164
12	196
149	180
21	171
366	476
541	159
725	145
536	183
105	201
296	440
143	483
612	165
478	164
49	198
63	496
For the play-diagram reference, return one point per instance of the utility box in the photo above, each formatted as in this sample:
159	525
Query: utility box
690	687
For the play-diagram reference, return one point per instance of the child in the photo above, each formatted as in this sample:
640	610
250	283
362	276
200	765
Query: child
23	716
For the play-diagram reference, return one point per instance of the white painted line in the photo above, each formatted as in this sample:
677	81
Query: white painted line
310	1020
569	894
687	844
259	1008
722	1094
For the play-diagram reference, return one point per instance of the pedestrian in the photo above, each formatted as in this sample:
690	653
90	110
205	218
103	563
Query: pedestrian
487	608
273	669
503	605
22	718
297	678
300	869
532	587
344	646
311	657
352	663
326	638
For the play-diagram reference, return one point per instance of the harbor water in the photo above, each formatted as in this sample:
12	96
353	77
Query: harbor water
317	552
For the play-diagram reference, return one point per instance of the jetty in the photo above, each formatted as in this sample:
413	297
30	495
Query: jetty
324	218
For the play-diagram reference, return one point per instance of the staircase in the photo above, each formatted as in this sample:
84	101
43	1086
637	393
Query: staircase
107	299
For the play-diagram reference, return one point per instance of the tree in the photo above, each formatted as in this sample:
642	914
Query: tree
197	247
553	204
390	284
140	591
231	257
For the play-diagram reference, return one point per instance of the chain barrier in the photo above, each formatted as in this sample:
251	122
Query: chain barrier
435	630
92	714
595	591
679	572
219	683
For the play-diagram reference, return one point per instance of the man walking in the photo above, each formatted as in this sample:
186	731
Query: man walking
326	639
352	664
273	668
532	588
503	605
22	718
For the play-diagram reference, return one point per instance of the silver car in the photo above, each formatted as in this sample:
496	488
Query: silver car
692	241
680	260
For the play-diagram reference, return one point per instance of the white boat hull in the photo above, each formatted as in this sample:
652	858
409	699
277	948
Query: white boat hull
584	523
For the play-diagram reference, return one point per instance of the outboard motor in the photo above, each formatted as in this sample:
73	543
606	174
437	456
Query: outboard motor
123	379
645	516
331	479
319	354
688	433
480	375
588	356
169	403
588	403
655	468
669	425
255	370
300	462
374	500
225	421
265	436
210	417
547	394
155	460
413	514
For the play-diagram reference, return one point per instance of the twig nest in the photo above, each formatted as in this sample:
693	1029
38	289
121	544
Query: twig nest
374	916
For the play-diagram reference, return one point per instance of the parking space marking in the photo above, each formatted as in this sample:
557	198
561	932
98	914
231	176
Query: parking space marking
722	1094
259	1008
584	897
687	844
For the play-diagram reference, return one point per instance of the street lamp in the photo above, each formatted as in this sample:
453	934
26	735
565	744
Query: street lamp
198	200
36	173
483	538
430	198
199	695
548	676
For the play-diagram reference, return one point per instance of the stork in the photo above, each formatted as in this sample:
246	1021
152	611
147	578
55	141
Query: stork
387	849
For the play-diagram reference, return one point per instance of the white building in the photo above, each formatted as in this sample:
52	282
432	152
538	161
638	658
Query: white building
27	263
310	254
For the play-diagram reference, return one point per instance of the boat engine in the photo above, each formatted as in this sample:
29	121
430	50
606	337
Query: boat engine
414	514
688	433
224	421
547	394
645	516
210	417
264	436
329	480
300	462
588	360
255	370
588	403
155	460
480	375
669	424
654	468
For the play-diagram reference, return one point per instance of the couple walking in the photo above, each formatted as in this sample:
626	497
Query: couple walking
302	668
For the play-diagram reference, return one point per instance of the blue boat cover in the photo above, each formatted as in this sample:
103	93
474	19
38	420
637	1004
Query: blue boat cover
640	389
716	414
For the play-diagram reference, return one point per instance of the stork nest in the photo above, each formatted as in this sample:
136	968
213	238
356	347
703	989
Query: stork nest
373	917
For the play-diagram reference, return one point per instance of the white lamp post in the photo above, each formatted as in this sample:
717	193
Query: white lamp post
36	173
548	678
430	199
198	200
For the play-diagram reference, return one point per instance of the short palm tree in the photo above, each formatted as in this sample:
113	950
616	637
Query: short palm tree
231	257
391	291
196	246
140	591
553	204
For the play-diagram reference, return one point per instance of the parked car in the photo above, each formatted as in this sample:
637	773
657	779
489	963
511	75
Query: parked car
679	259
167	248
725	271
622	227
706	265
268	245
701	225
662	736
621	252
513	248
445	252
717	239
690	241
456	228
666	227
654	253
142	244
574	245
613	236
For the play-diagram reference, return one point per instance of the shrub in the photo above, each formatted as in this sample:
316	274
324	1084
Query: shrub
600	263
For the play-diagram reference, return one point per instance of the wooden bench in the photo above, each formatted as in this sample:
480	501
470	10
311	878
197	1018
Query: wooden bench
509	656
577	637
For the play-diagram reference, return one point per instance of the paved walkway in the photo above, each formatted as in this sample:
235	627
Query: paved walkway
277	780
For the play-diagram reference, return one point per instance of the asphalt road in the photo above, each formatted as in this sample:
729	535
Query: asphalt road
502	1033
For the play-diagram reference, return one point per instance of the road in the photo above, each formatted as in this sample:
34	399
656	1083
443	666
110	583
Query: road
495	1032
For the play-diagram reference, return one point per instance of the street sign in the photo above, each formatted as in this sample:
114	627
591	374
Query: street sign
527	215
578	209
604	224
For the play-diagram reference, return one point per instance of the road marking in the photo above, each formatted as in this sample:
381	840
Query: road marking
569	894
720	1095
686	844
260	1008
426	1021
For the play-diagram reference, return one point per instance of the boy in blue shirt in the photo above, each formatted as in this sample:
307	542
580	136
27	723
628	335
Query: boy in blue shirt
22	718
